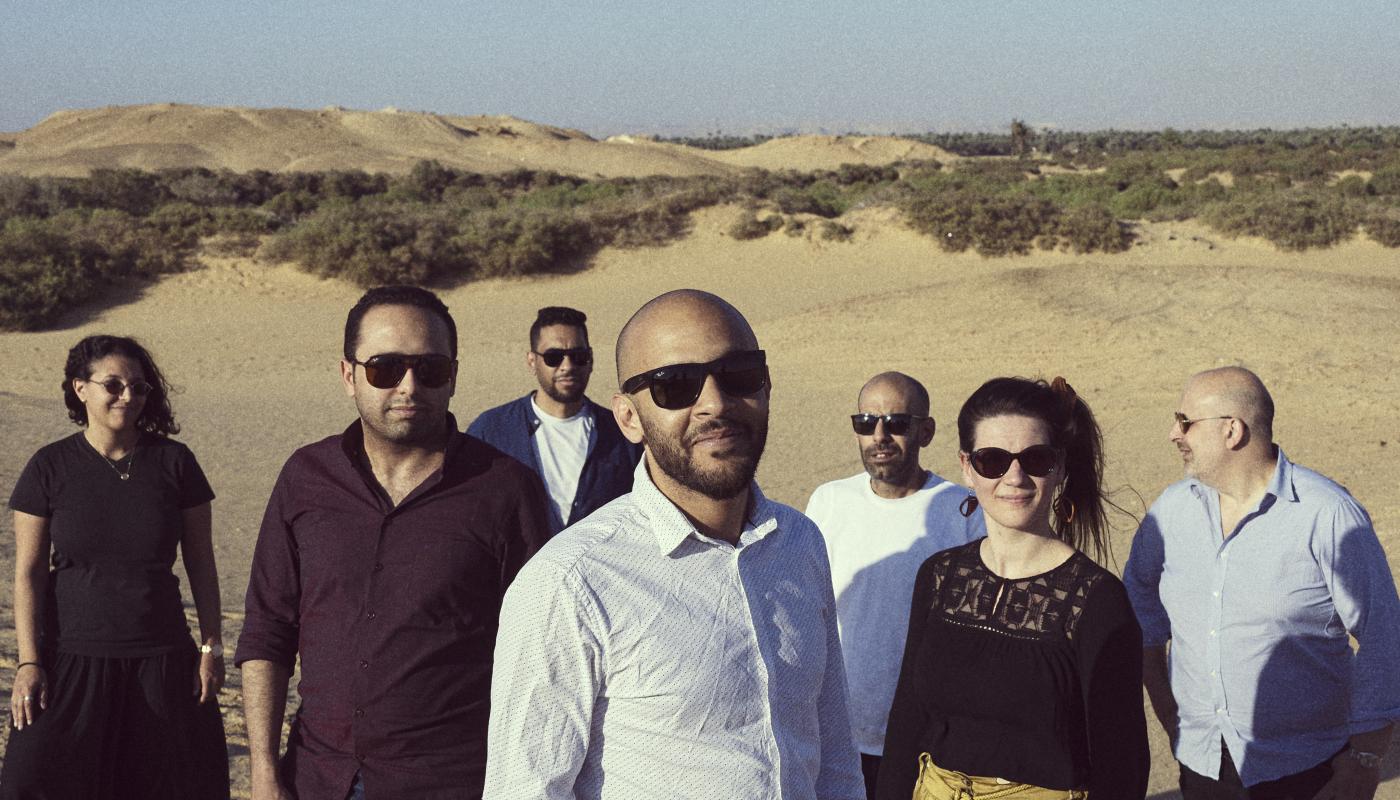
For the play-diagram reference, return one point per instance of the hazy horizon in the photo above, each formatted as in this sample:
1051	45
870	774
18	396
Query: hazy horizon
736	68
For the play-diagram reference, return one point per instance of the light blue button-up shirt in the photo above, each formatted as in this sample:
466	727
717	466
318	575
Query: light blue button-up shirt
1259	622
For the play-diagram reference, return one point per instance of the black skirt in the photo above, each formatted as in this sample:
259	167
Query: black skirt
119	728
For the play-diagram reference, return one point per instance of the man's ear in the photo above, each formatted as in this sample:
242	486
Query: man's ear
347	377
628	420
530	359
927	429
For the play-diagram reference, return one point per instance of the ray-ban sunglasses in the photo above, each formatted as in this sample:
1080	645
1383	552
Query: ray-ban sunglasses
895	424
387	371
554	356
677	386
1037	461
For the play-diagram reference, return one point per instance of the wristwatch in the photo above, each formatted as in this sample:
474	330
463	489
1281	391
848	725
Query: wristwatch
1365	759
216	650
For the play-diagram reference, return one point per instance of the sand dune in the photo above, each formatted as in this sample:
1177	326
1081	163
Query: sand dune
73	143
254	349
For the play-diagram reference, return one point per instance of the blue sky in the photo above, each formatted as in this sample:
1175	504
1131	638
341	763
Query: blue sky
740	67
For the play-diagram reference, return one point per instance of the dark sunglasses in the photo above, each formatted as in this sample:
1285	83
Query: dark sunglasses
387	371
554	356
677	386
1037	461
895	424
115	387
1185	423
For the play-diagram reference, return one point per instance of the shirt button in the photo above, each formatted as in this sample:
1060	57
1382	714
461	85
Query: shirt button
364	664
1218	711
1215	594
359	712
1212	673
359	756
1212	631
371	615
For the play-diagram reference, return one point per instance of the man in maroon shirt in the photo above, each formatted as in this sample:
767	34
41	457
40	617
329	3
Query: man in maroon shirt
381	561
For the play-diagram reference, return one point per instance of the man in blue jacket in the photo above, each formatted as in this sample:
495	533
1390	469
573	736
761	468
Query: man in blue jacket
570	441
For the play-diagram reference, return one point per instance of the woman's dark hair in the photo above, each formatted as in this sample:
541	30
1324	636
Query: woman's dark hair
156	416
1079	518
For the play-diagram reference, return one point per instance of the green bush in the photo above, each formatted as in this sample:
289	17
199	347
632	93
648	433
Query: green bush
1353	186
1383	228
47	266
1088	229
1290	222
994	226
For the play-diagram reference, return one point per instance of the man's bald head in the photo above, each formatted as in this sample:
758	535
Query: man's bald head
1235	391
677	315
913	392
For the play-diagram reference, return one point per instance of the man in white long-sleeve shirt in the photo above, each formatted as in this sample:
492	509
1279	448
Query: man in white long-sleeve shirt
680	642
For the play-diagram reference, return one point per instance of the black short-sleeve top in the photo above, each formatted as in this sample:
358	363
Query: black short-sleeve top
114	541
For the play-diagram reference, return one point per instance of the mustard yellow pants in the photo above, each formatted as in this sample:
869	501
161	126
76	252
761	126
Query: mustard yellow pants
936	783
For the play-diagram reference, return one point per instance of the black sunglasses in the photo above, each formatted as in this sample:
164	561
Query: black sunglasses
677	386
387	371
1037	461
115	387
554	356
895	424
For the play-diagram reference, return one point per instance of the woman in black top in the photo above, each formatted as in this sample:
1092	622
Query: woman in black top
1023	663
111	697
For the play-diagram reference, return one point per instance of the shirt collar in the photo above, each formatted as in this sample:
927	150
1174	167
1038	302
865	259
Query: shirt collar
1280	485
670	525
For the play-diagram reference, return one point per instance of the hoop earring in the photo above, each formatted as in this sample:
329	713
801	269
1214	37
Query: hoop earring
1064	509
968	506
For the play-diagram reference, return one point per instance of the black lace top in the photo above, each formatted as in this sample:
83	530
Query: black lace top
1036	680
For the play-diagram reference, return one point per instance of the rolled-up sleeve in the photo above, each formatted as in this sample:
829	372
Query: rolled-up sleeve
1142	576
1363	592
547	676
272	604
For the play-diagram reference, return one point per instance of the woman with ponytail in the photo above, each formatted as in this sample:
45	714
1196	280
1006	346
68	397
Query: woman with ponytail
1023	665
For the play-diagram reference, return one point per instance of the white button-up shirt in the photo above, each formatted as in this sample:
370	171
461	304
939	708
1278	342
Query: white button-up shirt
639	659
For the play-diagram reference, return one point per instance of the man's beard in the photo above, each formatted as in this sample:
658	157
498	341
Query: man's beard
723	482
560	396
897	471
425	429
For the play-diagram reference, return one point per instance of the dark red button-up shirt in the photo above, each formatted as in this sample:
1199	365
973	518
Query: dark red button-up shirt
393	611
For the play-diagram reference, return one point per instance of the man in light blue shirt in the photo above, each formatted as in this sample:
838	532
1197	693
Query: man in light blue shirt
1256	570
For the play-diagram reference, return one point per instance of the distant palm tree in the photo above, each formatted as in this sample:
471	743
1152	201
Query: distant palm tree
1020	138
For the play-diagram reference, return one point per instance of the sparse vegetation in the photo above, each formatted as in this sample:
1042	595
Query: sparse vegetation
63	239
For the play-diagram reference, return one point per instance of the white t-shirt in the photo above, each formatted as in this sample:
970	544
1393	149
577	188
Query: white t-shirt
876	546
562	447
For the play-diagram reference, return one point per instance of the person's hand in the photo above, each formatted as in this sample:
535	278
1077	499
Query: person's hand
208	677
1350	780
30	695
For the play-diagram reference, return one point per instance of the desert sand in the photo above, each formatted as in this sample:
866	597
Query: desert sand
75	142
254	351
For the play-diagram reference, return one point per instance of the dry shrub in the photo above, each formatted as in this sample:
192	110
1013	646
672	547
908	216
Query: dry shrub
749	226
